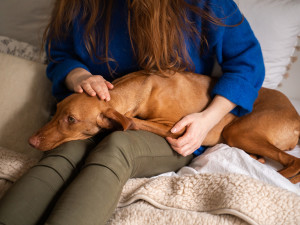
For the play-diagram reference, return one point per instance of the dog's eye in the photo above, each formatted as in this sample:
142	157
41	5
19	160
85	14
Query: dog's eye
71	119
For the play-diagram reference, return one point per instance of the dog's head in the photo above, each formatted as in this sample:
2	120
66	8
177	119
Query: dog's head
78	116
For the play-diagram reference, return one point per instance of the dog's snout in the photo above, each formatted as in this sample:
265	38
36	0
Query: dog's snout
34	141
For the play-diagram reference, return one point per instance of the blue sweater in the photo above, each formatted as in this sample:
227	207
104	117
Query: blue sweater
235	48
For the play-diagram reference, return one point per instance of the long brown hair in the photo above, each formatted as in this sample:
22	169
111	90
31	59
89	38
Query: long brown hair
157	29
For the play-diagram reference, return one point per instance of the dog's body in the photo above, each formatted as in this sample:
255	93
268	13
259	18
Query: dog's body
156	102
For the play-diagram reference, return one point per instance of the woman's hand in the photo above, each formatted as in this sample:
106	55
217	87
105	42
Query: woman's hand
198	126
79	80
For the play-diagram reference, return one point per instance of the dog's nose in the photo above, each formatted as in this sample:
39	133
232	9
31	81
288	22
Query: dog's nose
34	141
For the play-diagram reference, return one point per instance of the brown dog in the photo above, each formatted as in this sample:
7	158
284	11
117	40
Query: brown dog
156	102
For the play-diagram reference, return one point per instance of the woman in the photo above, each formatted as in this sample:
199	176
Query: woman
90	43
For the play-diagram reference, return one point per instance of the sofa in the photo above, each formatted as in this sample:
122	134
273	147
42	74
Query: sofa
222	186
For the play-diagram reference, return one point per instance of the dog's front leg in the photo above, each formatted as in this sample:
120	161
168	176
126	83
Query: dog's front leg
157	128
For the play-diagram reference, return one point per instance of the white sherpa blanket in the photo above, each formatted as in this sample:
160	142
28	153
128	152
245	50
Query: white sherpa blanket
12	166
206	199
216	188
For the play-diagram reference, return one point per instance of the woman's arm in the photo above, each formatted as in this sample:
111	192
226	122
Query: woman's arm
239	54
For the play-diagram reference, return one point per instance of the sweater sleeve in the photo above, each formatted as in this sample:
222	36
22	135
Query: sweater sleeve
240	57
63	59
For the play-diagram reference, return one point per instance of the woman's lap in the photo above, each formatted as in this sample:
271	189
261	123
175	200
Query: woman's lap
93	194
119	156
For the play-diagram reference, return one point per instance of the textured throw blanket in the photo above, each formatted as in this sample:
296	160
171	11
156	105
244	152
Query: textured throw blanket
12	166
205	199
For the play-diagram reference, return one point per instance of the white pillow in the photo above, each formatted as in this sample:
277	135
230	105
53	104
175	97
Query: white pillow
276	24
25	20
25	100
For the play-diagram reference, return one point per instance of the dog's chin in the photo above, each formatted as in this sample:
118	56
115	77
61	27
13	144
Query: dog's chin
44	147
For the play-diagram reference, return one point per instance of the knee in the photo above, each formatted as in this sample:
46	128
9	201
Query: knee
114	147
73	152
119	140
114	152
64	159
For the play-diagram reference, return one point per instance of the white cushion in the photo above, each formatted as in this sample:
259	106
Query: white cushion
25	20
276	24
25	99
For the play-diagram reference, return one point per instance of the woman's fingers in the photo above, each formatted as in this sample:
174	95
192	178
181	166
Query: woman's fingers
181	124
181	146
101	89
96	85
186	144
109	85
197	127
78	89
88	89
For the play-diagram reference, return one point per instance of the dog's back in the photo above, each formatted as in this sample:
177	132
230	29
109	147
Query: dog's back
167	96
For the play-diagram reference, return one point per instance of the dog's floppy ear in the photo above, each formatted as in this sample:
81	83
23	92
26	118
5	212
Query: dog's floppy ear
110	117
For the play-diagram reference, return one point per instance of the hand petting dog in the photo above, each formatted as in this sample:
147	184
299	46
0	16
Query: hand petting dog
79	80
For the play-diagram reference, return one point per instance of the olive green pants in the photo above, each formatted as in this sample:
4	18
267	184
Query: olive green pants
67	188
